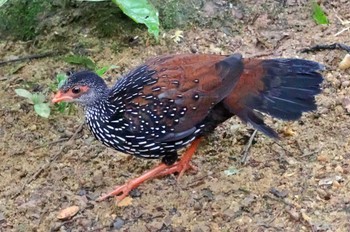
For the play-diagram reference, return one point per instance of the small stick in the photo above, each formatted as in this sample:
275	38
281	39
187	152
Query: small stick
321	47
342	31
50	143
46	165
29	57
312	152
247	147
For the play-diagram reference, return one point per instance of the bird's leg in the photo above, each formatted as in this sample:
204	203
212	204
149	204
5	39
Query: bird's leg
184	163
120	192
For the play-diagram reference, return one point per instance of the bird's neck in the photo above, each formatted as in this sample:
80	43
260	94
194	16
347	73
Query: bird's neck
101	109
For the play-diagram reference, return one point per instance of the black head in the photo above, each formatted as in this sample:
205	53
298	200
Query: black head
85	87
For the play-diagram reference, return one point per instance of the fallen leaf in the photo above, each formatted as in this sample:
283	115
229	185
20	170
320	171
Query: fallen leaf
178	36
338	169
336	184
125	202
288	132
68	212
231	171
248	201
323	158
306	217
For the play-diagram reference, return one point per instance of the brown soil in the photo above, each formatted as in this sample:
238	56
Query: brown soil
300	183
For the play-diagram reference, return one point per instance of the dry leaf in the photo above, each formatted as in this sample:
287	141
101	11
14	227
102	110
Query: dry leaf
68	212
338	169
336	184
345	63
306	217
323	158
125	202
288	131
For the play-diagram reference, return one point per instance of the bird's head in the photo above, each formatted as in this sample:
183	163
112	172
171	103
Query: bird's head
84	87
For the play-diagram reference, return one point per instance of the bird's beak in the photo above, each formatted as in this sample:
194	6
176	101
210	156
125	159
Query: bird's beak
59	96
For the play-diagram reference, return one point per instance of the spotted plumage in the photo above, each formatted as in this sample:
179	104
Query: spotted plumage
166	103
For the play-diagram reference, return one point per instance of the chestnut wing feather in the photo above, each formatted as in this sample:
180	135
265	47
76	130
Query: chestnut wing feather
176	93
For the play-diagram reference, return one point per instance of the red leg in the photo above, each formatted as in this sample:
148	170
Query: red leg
120	192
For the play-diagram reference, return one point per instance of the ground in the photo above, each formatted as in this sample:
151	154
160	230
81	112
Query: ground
300	183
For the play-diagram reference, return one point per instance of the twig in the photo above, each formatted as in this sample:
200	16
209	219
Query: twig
312	152
29	57
46	165
282	200
342	31
321	47
247	147
50	143
261	54
197	182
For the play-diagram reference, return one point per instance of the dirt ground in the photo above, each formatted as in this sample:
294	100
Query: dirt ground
300	183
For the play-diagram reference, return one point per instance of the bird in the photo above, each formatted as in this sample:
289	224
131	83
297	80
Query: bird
173	101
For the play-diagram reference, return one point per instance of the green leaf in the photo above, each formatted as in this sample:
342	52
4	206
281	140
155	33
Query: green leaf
61	106
318	14
82	60
42	109
24	93
61	78
38	98
231	171
2	2
141	11
104	69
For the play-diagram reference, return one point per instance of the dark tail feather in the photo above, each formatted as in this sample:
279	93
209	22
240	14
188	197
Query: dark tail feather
289	89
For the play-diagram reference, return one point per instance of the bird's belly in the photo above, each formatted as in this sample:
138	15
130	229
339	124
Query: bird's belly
138	145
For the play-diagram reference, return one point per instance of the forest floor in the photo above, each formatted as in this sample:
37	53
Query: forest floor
300	183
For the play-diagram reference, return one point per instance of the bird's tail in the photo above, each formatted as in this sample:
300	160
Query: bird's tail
282	88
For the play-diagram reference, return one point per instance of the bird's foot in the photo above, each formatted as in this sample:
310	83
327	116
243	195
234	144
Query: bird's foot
179	167
120	192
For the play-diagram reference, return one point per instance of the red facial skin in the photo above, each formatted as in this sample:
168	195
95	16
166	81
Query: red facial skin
69	95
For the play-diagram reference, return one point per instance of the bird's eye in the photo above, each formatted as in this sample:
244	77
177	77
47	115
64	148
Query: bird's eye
75	90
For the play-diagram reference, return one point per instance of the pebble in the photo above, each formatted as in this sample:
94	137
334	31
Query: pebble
345	84
345	63
68	212
118	223
155	225
339	169
336	184
2	217
194	48
135	193
323	110
197	206
82	192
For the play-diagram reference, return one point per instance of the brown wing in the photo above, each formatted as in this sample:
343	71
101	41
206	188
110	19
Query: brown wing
183	91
